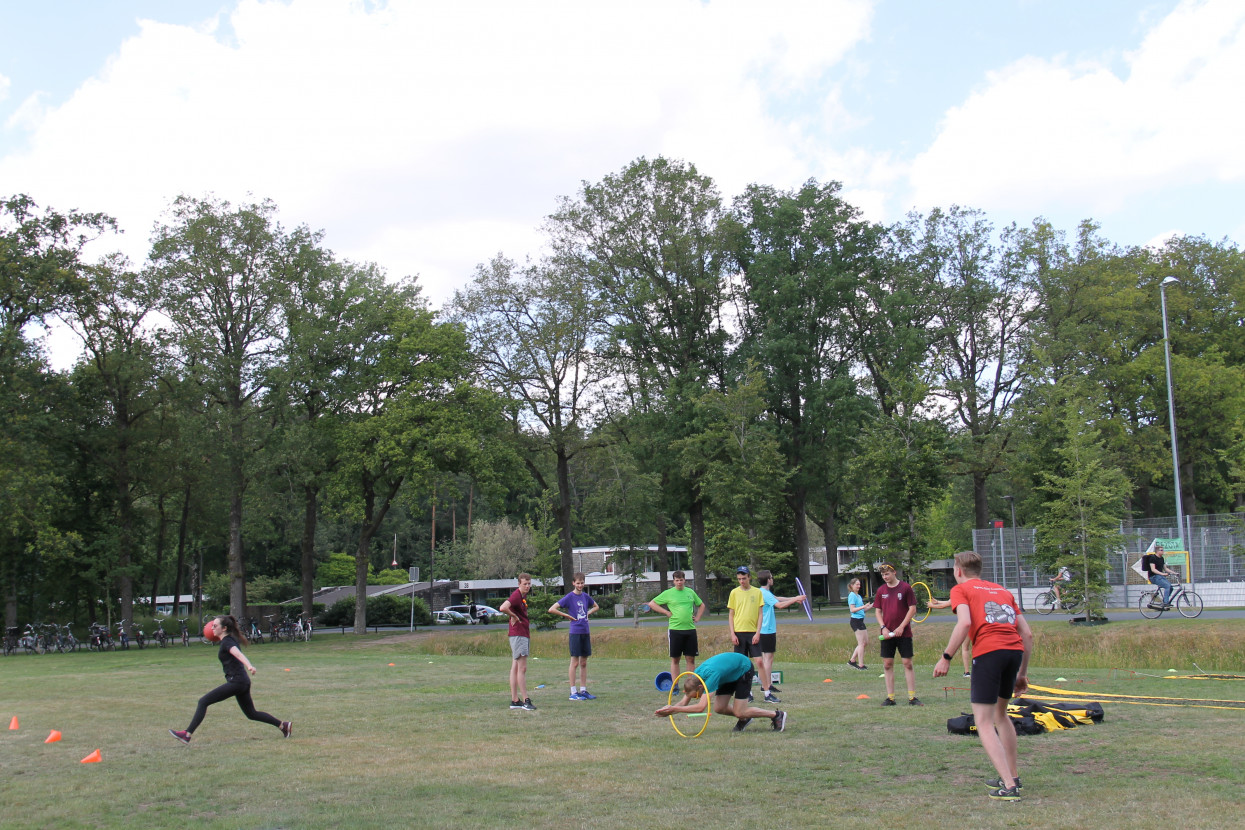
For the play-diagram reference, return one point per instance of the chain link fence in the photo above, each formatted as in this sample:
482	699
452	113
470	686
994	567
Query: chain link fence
1216	545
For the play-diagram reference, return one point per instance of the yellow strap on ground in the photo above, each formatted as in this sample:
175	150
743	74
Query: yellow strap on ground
1080	695
1141	702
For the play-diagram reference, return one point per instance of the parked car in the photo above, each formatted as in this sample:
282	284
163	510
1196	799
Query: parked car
448	617
483	613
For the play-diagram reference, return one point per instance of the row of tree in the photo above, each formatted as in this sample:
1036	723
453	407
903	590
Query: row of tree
741	378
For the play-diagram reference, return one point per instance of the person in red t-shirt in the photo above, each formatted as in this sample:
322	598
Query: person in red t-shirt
1002	642
520	643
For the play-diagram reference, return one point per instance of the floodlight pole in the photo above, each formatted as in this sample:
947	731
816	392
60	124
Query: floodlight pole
1171	419
1011	501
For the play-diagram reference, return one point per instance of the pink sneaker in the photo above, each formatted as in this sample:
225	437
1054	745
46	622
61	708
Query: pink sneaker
181	735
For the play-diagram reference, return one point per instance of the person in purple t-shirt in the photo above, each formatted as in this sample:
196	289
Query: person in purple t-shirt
576	606
520	643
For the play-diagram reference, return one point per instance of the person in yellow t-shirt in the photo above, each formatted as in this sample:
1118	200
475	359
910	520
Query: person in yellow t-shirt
743	617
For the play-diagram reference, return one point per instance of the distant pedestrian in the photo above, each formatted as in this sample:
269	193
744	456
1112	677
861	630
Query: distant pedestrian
856	608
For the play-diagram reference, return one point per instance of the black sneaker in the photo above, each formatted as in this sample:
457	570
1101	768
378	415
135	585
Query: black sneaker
853	664
741	724
287	729
516	704
1006	794
528	705
863	667
890	701
779	722
771	698
749	697
773	687
181	735
968	674
997	784
915	701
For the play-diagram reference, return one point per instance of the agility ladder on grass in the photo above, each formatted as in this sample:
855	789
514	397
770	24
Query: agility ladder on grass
1136	700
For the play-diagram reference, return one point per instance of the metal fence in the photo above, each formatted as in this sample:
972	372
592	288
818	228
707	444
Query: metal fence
1216	545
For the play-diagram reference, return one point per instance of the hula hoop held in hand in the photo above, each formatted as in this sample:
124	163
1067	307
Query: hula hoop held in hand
708	703
929	597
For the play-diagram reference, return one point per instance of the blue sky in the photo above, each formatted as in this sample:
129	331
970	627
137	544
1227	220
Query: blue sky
428	137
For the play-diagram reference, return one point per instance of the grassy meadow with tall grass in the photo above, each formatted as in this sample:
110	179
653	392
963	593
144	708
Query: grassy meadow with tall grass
400	730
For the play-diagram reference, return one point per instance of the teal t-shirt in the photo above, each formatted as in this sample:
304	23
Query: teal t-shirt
854	601
769	625
723	668
682	605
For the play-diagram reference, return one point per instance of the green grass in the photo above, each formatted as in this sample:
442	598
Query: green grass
430	741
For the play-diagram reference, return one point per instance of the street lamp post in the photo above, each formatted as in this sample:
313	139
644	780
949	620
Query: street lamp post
1171	418
1011	500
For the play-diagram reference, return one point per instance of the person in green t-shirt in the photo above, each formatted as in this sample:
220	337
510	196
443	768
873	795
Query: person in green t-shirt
685	610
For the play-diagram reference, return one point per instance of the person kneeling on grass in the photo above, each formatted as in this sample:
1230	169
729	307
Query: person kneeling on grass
730	676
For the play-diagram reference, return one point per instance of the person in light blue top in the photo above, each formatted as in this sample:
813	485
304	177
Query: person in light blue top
769	630
857	607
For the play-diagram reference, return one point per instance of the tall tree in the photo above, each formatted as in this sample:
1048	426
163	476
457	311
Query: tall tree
415	416
226	272
982	313
40	272
802	255
537	332
122	360
652	240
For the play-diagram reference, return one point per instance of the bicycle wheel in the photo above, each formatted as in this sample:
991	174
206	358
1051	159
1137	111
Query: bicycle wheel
1046	602
1189	604
1144	605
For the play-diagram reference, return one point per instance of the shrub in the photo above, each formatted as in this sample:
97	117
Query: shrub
381	610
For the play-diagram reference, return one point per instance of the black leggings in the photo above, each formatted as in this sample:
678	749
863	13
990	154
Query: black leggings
242	691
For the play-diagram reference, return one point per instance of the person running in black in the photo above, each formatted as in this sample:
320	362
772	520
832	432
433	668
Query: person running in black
237	683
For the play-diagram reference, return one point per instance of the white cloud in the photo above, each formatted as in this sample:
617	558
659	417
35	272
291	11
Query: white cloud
1043	132
428	138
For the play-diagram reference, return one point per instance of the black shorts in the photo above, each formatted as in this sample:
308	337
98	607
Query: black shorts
581	645
740	688
746	647
683	643
903	644
994	675
769	643
857	625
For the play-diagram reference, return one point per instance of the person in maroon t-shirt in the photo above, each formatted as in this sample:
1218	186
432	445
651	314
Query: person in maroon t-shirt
894	605
520	643
1002	642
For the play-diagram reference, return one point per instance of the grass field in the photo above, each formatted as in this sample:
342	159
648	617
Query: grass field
429	741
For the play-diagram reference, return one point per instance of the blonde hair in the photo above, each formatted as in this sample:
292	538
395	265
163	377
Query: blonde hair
692	687
969	562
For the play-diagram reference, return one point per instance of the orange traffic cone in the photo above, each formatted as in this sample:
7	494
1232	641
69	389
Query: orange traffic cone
53	737
13	723
862	697
93	758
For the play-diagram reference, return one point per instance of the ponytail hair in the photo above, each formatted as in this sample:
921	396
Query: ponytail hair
231	628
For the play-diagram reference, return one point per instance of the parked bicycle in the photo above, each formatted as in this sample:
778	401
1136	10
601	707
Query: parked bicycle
100	640
253	632
67	641
30	639
123	635
160	637
1184	600
12	636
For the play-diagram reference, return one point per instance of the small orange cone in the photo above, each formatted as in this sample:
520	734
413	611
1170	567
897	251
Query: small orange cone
391	664
828	680
93	758
53	737
862	697
13	723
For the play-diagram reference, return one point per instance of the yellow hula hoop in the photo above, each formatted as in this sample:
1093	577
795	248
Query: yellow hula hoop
929	595
708	703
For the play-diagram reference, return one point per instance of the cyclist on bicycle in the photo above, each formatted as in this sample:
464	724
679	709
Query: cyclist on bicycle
1057	580
1155	569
